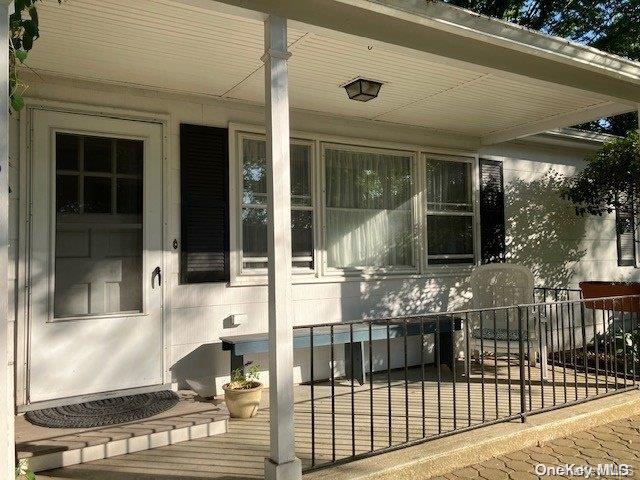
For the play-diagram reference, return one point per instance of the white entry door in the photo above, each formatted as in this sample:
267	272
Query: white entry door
95	306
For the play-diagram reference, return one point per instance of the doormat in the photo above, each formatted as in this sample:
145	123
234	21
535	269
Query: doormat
101	413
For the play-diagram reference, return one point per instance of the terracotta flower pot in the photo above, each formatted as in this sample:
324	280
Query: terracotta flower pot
242	403
612	289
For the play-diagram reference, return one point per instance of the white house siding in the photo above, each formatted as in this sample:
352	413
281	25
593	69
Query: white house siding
542	230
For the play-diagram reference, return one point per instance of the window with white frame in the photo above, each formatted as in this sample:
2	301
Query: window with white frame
253	167
450	212
368	208
374	202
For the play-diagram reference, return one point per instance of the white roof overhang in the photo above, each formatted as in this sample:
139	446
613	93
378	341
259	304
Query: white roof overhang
444	68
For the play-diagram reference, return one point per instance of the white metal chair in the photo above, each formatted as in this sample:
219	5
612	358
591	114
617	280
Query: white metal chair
502	285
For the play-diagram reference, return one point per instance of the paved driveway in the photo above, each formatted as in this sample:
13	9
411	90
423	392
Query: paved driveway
615	443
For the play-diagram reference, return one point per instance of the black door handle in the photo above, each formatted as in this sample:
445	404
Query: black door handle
156	273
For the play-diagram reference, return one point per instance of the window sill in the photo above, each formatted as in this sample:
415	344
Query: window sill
431	272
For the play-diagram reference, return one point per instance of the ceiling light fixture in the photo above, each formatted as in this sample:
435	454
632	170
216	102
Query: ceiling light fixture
362	89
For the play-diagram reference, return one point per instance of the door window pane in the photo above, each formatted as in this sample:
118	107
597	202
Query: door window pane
129	196
97	154
67	194
97	195
129	156
254	200
98	257
67	151
369	210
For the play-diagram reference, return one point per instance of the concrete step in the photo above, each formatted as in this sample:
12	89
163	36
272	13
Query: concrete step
48	448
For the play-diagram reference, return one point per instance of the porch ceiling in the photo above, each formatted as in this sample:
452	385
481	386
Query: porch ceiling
191	48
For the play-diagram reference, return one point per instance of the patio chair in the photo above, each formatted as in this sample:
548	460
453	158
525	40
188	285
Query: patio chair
502	285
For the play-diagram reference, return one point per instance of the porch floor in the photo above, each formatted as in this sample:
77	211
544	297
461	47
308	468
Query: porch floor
240	452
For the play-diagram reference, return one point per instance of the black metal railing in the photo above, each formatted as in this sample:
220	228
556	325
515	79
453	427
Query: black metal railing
555	294
382	384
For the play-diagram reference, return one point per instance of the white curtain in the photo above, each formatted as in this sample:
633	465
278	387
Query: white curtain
448	185
368	198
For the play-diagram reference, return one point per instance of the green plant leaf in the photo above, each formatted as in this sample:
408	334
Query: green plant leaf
15	17
31	28
20	5
21	55
27	42
33	13
17	102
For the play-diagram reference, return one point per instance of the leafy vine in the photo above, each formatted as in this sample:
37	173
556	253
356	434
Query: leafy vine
23	32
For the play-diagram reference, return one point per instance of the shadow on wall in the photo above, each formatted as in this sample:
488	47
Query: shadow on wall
413	296
543	231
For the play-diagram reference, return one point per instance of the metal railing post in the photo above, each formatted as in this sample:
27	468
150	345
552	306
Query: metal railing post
523	401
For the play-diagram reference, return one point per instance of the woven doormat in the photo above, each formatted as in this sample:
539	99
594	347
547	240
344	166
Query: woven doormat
101	413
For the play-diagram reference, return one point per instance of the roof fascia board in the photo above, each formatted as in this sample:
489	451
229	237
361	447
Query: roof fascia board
569	138
558	121
500	32
390	25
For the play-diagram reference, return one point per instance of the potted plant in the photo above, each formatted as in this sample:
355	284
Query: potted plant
610	183
243	393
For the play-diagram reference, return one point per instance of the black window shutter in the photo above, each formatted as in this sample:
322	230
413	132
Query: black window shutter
492	224
204	192
625	236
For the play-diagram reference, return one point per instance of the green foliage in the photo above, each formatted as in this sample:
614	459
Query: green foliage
629	343
245	377
612	26
611	179
609	25
23	472
23	32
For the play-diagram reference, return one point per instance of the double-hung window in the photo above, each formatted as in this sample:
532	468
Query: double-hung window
450	213
368	208
379	211
253	155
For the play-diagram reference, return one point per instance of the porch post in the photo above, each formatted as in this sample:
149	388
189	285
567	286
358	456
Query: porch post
7	445
282	462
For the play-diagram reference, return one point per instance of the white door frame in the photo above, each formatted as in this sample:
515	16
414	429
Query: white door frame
22	300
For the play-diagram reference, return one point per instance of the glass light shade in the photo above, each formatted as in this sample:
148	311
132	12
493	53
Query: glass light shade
362	89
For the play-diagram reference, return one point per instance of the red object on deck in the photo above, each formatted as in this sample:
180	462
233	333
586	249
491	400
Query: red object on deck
612	289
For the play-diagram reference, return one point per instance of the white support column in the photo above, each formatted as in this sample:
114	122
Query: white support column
282	463
7	445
